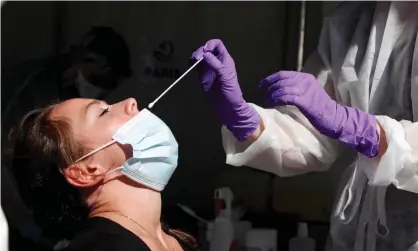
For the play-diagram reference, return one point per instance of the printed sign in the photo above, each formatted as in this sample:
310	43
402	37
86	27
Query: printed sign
164	53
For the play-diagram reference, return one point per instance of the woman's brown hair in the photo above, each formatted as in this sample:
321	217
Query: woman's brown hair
43	147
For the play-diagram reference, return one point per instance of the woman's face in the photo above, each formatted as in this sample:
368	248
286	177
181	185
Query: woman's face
94	122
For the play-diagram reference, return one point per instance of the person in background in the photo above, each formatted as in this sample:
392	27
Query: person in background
96	171
92	68
367	63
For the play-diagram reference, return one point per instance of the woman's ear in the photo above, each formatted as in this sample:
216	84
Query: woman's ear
80	175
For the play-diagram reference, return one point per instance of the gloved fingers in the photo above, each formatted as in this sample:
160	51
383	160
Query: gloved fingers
198	54
272	79
284	86
289	82
208	80
272	103
216	47
278	76
280	100
290	74
279	90
212	61
213	44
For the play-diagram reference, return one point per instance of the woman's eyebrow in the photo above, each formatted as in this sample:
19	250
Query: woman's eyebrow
94	102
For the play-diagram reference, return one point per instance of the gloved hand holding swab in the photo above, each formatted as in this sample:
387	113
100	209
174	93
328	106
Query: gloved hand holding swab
175	82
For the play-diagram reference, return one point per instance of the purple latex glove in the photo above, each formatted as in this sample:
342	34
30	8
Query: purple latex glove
355	128
219	81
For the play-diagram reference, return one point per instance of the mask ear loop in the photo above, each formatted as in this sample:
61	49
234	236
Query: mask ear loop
91	153
105	173
95	151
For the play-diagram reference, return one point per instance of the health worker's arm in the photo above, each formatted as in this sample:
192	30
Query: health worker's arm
397	162
383	144
285	143
257	133
340	41
280	141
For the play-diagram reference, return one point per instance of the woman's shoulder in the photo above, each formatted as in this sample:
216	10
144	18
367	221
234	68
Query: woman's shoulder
101	234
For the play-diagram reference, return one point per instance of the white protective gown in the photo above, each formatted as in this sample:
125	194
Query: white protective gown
367	58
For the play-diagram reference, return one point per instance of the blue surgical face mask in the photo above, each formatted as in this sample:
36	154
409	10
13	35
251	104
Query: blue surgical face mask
155	150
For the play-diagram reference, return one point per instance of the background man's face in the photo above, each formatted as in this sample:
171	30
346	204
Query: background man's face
92	66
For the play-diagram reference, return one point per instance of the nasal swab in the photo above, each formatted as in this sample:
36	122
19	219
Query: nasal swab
175	82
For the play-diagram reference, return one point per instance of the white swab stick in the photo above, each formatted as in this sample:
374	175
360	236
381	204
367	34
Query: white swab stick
175	82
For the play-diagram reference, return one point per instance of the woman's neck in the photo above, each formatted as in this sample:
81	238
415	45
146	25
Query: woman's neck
139	204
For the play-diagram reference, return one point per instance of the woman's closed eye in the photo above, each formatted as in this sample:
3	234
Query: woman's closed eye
105	110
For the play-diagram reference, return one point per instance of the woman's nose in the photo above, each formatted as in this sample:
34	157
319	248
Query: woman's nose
131	106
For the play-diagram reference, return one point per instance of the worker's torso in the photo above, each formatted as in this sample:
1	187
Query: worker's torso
373	54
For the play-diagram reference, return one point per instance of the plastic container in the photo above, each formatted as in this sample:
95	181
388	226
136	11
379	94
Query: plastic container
223	238
261	240
240	230
302	242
